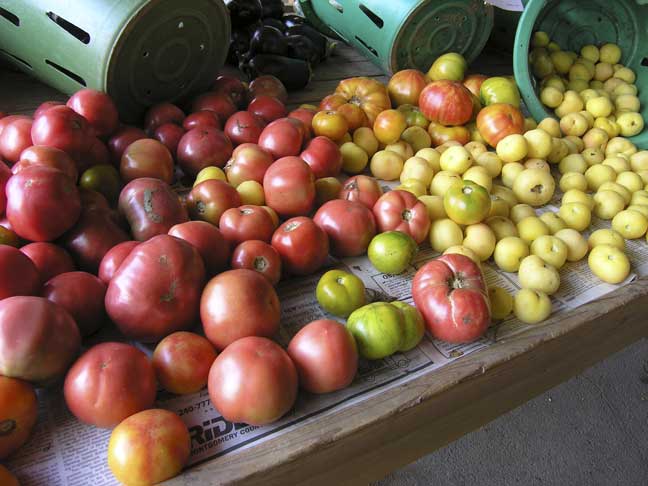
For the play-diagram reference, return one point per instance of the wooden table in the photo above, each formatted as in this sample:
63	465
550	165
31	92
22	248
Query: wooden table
366	441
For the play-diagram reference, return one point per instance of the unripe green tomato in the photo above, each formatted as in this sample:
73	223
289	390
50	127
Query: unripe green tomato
340	293
414	327
392	252
378	328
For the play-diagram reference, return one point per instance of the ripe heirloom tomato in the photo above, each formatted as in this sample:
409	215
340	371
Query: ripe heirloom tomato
302	244
305	116
201	119
467	203
50	259
249	162
270	86
18	274
402	211
289	187
109	382
325	355
162	113
236	304
323	156
62	128
405	87
14	138
203	147
232	87
389	126
246	223
6	478
253	381
349	225
182	361
499	120
210	199
330	124
244	127
48	156
98	108
169	135
281	138
446	102
146	158
440	134
354	115
18	413
473	82
208	240
370	95
5	174
219	103
258	256
267	108
121	139
43	107
363	189
114	258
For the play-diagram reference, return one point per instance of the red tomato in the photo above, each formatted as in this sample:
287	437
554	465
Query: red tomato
121	139
289	187
6	120
96	154
156	289
162	113
202	147
302	244
50	259
14	138
405	87
49	156
306	132
147	158
210	199
270	86
349	225
44	106
473	82
236	304
91	199
446	102
5	174
244	127
82	295
246	223
208	240
267	108
151	207
249	162
19	411
63	128
325	355
451	294
232	87
38	339
98	108
109	382
18	274
253	381
402	211
305	116
258	256
498	120
42	203
281	138
219	103
182	361
323	156
201	119
363	189
113	259
170	135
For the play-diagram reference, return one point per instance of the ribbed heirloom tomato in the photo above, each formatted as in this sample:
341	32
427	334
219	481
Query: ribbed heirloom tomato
446	102
402	211
359	99
405	87
499	120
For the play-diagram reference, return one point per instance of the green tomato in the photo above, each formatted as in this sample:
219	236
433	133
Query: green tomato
414	326
104	179
340	293
413	116
8	237
499	89
392	252
451	66
467	203
378	328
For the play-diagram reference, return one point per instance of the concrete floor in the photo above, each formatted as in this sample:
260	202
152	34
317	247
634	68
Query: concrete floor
590	431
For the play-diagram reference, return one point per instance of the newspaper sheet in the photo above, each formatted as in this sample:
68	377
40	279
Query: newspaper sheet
62	451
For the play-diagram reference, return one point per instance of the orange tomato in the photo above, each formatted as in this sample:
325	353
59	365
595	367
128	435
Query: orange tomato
18	412
405	86
370	95
330	124
6	478
389	126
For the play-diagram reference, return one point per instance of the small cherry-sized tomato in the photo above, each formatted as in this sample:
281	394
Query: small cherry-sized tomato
289	187
389	126
302	245
330	124
392	252
467	203
259	256
340	293
246	223
350	226
402	211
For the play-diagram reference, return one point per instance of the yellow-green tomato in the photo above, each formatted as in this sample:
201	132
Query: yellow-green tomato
378	328
467	203
499	89
392	252
340	293
414	327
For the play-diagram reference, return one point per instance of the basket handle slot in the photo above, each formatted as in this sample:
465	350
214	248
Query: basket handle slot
21	61
67	72
336	6
10	17
69	27
372	16
367	46
644	61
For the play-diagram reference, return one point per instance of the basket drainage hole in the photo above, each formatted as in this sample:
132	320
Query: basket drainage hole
181	25
149	92
367	46
69	27
67	72
644	61
336	6
10	17
145	54
21	61
372	16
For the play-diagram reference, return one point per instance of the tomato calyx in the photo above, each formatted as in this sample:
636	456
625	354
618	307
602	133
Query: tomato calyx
406	215
537	189
467	190
458	281
292	226
260	263
245	211
7	426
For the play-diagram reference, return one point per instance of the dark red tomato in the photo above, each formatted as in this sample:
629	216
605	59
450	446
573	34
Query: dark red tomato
42	203
210	199
169	134
270	86
236	304
259	256
253	381
147	158
202	147
121	139
363	189
96	154
108	383
349	225
244	127
91	199
246	223
5	174
232	87
324	157
325	355
208	240
281	138
46	105
402	211
14	138
249	162
289	187
302	245
267	108
82	295
113	259
4	121
98	108
182	361
305	116
219	103
38	339
18	274
162	113
201	119
63	128
156	289
50	259
150	207
49	156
